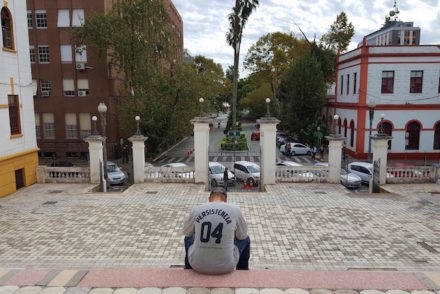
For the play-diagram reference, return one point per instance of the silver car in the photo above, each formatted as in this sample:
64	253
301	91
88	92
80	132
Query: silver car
216	173
350	180
114	174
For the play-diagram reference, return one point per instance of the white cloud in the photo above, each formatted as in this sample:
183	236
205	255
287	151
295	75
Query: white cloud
205	22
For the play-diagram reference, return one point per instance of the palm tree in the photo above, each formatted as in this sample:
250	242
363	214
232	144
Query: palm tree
237	21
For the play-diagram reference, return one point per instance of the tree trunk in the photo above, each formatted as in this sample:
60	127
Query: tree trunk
234	94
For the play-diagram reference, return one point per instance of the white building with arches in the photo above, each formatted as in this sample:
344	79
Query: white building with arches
18	144
403	82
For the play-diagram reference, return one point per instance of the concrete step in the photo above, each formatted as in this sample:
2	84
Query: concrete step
256	278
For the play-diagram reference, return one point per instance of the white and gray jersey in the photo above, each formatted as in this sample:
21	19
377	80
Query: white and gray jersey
214	226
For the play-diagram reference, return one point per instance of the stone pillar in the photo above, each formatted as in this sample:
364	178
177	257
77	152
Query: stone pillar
95	157
138	148
334	158
380	151
201	146
268	156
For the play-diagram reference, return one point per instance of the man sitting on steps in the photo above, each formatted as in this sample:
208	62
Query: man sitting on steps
216	239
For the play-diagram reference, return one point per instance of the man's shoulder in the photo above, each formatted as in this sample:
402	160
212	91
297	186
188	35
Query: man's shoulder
210	205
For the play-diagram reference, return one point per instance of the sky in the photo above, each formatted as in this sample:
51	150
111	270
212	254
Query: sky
205	21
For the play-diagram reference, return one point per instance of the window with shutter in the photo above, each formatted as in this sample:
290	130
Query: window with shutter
14	114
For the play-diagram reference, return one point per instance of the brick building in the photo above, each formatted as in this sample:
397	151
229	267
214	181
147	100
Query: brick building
70	82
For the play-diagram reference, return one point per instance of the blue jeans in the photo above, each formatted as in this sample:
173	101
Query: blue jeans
244	247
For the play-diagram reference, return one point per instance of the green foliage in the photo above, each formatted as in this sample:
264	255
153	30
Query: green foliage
272	55
135	37
229	122
227	144
302	94
340	33
310	135
256	101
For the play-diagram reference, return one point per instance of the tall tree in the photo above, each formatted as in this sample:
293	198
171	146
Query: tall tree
302	94
272	55
238	19
340	33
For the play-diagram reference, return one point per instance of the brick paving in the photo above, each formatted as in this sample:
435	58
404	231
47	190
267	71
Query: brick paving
302	226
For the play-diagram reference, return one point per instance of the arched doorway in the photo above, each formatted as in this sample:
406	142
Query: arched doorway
339	126
437	136
352	133
412	135
345	128
387	128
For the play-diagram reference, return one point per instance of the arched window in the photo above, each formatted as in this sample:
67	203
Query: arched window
412	136
437	136
8	41
387	129
351	133
339	125
345	128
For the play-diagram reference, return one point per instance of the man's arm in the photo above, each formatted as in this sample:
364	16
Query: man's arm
188	226
241	232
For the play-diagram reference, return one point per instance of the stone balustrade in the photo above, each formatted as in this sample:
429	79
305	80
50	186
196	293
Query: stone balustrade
302	174
418	174
78	175
169	174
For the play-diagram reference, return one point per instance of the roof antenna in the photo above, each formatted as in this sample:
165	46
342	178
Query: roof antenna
393	13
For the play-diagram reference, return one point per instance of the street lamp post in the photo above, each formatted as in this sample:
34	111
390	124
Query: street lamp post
371	106
138	131
102	109
201	100
95	131
267	107
335	119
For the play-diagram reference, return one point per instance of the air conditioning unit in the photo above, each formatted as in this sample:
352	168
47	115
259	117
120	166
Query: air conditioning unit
82	93
45	93
80	66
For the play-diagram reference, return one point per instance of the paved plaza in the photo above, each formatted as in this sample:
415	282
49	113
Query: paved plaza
302	226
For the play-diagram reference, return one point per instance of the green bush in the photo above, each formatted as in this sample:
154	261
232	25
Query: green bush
227	144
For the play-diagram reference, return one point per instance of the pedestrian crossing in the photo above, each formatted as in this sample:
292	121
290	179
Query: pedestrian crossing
304	160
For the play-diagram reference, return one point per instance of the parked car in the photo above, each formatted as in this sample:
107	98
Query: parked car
255	136
147	164
216	173
248	172
114	174
350	180
284	140
288	163
295	149
363	169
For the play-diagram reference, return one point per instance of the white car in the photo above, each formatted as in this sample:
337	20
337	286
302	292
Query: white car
247	172
363	169
288	163
216	173
295	149
114	174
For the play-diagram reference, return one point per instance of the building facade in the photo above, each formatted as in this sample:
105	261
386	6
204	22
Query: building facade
395	33
403	85
70	82
18	148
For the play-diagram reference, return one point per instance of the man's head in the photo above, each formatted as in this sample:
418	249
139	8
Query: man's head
218	194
